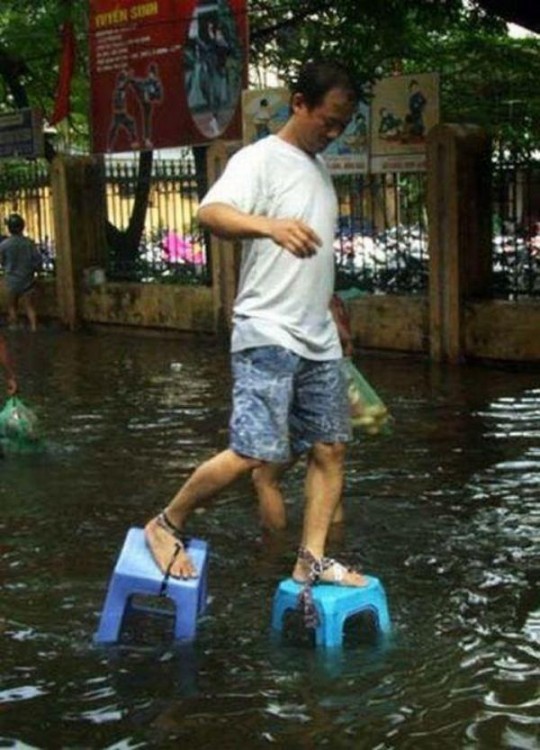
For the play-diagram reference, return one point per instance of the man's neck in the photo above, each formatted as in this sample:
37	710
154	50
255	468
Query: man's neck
289	134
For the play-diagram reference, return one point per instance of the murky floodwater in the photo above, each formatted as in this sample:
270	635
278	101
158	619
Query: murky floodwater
444	511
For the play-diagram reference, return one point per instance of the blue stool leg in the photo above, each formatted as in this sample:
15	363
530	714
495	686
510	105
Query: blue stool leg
202	547
383	617
203	590
281	605
330	631
113	613
186	616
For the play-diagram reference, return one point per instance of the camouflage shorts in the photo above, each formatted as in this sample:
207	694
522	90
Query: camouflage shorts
284	403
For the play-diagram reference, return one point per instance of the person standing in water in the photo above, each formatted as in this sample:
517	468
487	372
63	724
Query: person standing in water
21	260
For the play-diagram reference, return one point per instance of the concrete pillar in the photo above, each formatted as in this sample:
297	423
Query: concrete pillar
79	220
459	214
225	255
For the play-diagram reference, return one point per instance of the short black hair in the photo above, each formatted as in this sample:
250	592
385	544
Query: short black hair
316	78
14	223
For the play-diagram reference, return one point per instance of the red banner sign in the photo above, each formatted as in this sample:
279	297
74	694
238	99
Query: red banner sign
166	73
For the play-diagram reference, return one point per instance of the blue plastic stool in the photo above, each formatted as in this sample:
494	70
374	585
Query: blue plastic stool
334	605
136	572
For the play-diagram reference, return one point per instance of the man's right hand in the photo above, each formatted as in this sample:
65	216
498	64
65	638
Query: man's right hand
295	236
230	223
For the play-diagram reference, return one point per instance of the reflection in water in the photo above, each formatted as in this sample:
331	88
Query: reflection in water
444	511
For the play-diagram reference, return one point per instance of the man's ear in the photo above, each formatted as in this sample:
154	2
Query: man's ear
297	102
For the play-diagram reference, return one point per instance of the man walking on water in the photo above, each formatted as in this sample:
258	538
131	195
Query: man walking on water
289	393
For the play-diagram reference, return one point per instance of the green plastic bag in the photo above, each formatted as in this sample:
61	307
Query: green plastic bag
19	426
367	410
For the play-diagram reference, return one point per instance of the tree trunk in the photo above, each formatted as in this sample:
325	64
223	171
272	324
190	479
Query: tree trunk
124	245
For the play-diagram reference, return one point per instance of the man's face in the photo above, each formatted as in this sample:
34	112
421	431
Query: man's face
317	127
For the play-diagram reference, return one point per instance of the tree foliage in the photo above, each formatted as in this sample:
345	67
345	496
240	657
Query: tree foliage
30	51
486	77
369	36
30	48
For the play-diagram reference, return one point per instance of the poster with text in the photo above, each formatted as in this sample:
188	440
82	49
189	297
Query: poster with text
403	110
166	73
21	133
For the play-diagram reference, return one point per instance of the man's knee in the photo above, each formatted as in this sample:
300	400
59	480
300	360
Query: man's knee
249	463
263	476
328	453
257	477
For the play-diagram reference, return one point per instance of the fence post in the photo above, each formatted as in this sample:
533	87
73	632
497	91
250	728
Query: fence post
459	217
79	219
225	255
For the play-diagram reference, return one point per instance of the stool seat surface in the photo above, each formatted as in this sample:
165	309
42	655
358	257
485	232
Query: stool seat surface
331	591
136	560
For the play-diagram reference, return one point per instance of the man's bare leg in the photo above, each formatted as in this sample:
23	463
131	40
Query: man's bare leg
206	481
324	485
272	512
12	309
30	310
266	479
339	513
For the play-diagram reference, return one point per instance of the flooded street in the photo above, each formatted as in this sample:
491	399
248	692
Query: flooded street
445	511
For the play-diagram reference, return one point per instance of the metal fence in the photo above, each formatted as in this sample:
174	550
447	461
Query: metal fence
516	228
382	246
25	189
172	248
381	242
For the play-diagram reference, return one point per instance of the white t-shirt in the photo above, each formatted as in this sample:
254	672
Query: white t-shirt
282	300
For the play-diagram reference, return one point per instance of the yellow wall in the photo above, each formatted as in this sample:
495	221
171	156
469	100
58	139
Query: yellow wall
493	329
179	308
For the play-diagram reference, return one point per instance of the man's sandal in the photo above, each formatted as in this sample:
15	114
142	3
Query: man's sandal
316	568
181	542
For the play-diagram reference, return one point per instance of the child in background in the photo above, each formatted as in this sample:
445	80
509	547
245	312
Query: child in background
21	259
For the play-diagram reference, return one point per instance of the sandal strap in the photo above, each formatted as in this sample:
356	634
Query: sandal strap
306	603
180	546
317	566
169	526
339	570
